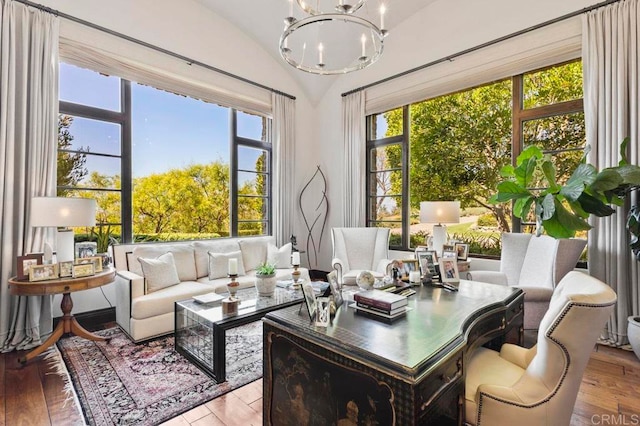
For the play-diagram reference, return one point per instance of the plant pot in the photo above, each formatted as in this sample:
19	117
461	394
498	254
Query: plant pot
266	284
633	332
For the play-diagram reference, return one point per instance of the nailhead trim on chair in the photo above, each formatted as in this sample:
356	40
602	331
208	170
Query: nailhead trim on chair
566	368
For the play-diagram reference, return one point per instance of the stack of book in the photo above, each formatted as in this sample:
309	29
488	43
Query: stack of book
380	303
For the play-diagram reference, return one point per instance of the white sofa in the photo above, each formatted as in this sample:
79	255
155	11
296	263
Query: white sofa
144	314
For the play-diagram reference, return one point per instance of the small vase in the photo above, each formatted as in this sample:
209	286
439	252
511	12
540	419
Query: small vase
266	284
633	332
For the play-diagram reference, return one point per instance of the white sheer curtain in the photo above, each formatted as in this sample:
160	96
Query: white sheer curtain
353	127
611	99
28	135
284	118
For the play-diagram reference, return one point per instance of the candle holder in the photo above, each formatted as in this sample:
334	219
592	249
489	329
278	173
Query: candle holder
233	286
295	276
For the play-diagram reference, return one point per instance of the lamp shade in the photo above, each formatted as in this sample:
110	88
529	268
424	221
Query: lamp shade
63	212
440	211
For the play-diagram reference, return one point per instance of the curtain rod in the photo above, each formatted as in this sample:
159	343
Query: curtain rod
483	45
189	61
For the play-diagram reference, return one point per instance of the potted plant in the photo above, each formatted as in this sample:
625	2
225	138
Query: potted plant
266	279
103	240
561	210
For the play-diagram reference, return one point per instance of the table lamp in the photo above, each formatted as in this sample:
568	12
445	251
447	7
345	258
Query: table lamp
63	213
439	212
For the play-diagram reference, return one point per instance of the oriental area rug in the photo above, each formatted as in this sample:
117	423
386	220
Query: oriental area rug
124	383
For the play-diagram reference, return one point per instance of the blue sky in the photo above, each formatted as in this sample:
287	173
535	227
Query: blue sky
168	131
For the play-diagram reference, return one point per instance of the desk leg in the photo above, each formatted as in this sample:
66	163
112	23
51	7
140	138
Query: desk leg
67	324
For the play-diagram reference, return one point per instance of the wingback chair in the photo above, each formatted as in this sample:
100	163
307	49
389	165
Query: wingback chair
539	386
536	265
359	249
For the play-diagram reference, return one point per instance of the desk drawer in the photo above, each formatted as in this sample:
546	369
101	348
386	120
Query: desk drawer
515	309
441	381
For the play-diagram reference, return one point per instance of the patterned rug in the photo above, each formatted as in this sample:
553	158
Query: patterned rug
123	383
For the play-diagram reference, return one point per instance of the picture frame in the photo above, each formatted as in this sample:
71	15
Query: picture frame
309	299
462	251
96	260
65	269
43	272
449	254
83	270
406	266
86	249
428	261
448	247
322	312
449	270
332	277
23	263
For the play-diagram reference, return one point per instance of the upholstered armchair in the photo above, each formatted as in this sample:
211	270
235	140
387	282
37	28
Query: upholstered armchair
539	386
359	249
536	265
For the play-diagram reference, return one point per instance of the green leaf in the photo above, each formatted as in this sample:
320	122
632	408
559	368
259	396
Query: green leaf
507	171
606	180
630	174
553	228
569	220
548	207
549	171
584	174
593	205
530	152
524	172
510	191
522	206
623	152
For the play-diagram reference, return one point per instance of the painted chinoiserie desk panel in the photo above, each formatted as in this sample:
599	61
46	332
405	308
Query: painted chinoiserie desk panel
364	370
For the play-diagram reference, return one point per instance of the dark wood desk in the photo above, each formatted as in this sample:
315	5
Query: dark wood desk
409	371
64	286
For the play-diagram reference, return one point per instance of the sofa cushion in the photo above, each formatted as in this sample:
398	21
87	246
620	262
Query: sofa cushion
159	273
162	301
202	249
183	256
219	264
281	257
254	252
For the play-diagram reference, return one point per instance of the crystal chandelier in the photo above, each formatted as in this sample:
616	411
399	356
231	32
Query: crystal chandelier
331	39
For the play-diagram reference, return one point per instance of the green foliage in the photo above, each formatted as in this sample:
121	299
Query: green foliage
560	210
175	236
487	220
484	244
101	234
71	166
265	268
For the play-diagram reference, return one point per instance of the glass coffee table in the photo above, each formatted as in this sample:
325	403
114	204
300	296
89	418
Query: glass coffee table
200	329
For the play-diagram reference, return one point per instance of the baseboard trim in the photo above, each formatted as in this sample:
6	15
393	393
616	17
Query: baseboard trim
93	320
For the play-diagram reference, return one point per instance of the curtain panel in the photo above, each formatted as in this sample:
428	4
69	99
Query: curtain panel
283	176
611	104
28	155
353	127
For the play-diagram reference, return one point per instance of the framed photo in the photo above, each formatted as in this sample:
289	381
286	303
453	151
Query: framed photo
86	249
448	247
449	270
332	277
309	299
83	270
462	251
43	272
406	266
96	260
25	262
428	261
449	254
322	312
65	269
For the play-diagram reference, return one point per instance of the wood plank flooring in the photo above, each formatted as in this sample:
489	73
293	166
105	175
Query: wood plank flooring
32	395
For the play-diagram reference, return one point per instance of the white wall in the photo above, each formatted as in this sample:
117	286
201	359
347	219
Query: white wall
442	28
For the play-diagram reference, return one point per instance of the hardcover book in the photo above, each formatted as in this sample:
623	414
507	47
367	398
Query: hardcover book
381	299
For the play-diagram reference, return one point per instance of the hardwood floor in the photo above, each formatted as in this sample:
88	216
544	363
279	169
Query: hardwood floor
32	395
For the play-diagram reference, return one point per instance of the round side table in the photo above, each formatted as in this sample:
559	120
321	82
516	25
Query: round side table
64	286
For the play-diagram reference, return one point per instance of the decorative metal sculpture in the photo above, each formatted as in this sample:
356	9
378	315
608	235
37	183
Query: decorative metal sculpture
315	225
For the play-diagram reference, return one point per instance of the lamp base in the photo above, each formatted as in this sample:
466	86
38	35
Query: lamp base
439	238
65	248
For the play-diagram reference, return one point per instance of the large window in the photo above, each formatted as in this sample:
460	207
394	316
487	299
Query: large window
452	148
162	166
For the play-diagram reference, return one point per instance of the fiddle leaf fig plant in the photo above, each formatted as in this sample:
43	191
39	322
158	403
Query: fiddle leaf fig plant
562	209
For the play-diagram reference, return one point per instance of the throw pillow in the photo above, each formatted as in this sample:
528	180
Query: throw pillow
159	273
219	264
281	257
254	251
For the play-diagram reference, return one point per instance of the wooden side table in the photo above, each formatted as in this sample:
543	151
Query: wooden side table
64	286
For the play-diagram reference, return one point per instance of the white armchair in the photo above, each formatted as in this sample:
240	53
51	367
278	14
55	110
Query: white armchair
539	386
536	265
359	249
